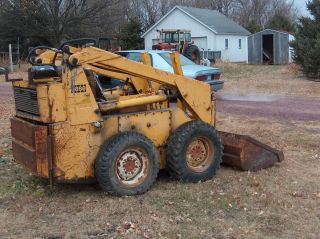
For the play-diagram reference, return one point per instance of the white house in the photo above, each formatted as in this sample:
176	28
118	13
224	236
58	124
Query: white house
210	30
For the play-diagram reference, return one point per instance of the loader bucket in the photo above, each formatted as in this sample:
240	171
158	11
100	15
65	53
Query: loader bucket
246	153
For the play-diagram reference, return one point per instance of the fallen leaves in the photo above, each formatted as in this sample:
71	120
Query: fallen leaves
296	194
126	228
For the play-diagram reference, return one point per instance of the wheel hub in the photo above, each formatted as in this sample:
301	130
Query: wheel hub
129	165
197	153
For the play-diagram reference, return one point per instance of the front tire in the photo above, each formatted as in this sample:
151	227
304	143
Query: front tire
128	164
194	152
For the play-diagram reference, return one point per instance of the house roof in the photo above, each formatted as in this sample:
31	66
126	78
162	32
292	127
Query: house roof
211	19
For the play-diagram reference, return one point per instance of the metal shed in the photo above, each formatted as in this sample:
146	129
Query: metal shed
269	47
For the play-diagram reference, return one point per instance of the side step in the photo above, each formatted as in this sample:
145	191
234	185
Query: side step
246	153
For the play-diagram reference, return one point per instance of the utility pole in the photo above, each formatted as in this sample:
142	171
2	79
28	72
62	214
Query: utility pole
10	58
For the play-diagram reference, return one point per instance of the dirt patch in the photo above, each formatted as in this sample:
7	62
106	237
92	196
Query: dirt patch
281	202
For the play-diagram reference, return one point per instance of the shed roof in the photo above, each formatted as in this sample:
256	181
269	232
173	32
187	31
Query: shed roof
272	30
213	20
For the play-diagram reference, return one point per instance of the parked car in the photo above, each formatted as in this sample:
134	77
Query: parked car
161	60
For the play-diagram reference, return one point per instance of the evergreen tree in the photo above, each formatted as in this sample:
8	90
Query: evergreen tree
24	20
281	22
253	27
130	35
307	42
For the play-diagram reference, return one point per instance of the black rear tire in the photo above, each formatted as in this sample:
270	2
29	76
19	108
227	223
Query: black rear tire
194	152
192	52
128	164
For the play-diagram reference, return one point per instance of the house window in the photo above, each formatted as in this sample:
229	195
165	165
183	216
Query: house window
240	44
226	43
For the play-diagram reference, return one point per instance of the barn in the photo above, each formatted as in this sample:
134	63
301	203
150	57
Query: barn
210	30
270	47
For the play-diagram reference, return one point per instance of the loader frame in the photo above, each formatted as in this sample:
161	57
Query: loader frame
66	132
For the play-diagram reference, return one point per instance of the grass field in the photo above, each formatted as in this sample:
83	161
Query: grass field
280	202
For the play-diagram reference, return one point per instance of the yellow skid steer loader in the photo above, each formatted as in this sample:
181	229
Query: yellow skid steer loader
72	126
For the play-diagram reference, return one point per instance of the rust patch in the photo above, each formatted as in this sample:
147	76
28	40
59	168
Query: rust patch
24	155
29	145
22	131
41	138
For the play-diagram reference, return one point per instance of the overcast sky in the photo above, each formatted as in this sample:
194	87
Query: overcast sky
301	5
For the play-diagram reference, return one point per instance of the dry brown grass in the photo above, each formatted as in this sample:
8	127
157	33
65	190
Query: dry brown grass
264	79
281	202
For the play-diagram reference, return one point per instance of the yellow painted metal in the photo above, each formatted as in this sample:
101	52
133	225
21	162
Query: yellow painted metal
47	57
196	94
139	84
76	146
23	84
75	150
146	59
71	108
81	104
155	125
178	117
52	102
176	64
137	101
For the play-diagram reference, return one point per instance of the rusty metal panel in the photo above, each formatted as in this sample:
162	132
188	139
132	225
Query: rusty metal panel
24	155
41	148
23	131
30	145
246	153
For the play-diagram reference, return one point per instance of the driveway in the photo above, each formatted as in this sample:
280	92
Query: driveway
291	108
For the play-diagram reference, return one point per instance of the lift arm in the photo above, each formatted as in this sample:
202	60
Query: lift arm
196	94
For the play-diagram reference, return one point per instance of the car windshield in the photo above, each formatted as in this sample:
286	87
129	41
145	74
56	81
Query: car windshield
184	60
134	56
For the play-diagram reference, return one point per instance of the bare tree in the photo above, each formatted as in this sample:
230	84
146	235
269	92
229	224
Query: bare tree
148	12
111	19
66	18
224	6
